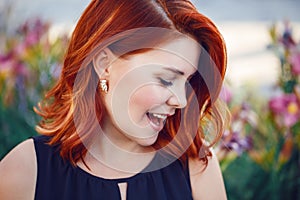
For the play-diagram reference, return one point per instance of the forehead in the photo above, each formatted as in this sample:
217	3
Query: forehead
183	47
181	53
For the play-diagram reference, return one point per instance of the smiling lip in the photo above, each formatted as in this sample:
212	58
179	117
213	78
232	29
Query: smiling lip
156	120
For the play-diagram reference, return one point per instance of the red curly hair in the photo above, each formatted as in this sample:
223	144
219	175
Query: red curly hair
104	19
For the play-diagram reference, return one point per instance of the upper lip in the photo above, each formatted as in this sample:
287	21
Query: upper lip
171	114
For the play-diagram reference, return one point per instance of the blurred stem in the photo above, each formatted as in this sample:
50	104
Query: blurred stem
275	170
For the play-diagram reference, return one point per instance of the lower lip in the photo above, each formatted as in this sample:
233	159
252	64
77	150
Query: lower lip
157	128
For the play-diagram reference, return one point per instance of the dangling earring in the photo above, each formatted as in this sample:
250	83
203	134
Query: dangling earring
103	85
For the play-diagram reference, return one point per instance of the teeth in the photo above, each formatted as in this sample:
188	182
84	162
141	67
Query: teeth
159	116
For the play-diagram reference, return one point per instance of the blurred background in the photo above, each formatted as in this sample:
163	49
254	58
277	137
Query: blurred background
259	152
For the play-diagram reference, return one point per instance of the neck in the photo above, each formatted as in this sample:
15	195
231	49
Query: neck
116	151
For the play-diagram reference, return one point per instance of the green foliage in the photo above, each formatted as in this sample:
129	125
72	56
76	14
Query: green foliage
245	179
13	129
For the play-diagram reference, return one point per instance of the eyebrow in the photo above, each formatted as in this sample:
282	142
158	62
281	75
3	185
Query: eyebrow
176	71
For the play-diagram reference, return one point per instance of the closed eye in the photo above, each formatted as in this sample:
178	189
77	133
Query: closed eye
165	83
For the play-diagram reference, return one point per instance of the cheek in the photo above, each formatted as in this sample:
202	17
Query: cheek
146	98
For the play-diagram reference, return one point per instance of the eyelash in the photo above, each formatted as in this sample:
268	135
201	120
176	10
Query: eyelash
165	83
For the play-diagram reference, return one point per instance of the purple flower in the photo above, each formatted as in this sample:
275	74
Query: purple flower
295	62
248	115
287	39
286	107
233	141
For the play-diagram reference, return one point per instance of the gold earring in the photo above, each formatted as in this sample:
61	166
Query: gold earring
103	85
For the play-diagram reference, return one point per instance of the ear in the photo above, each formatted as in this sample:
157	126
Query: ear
102	63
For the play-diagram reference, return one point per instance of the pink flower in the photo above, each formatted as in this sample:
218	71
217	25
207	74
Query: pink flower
286	108
225	95
33	30
295	62
32	38
12	66
20	49
5	65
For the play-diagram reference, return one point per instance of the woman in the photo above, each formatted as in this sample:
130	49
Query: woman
128	117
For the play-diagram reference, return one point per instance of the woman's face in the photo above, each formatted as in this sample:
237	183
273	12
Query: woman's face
146	88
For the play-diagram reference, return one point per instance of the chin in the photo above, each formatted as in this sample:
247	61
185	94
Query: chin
147	141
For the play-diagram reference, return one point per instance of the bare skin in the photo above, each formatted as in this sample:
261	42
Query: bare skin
207	184
18	172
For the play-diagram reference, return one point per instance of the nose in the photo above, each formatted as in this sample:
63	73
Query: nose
177	98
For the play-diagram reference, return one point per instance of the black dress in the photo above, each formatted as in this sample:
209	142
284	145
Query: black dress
58	179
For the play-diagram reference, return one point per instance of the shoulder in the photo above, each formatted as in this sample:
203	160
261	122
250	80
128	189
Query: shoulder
18	171
207	183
